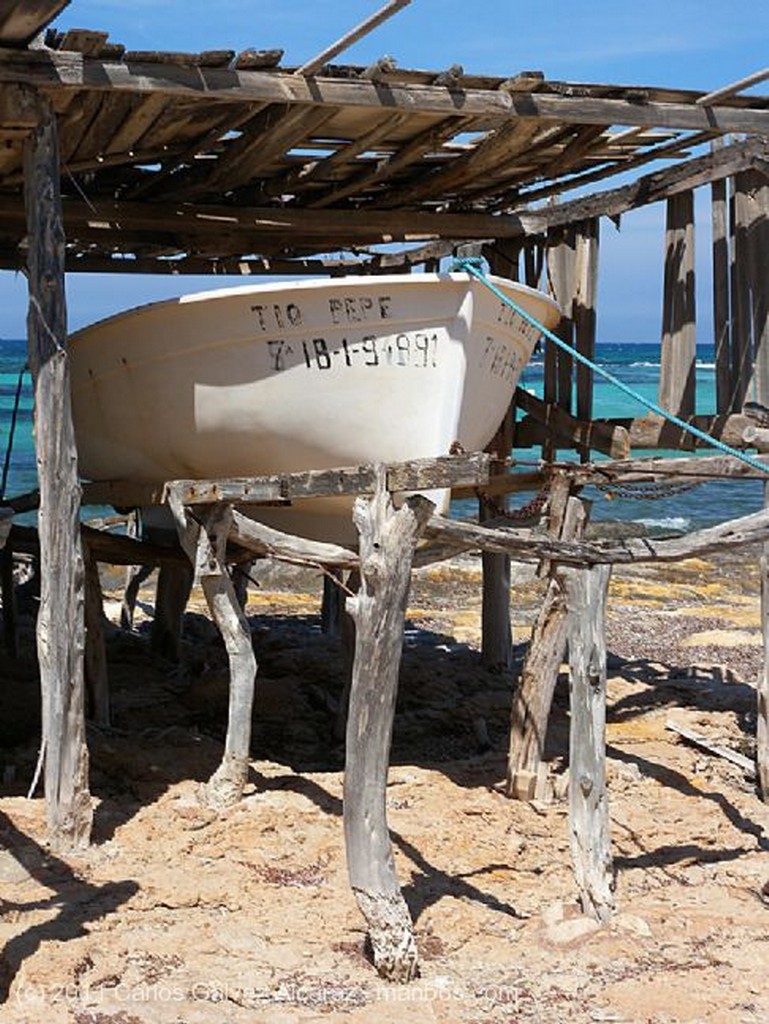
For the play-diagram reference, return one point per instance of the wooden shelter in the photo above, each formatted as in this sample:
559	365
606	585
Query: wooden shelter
231	163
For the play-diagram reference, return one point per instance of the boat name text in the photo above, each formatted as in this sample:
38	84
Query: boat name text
343	310
512	318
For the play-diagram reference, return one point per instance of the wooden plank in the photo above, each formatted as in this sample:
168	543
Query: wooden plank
499	146
745	763
308	174
21	20
526	546
721	317
61	624
756	194
420	474
42	68
678	355
740	218
387	542
85	41
423	142
277	129
584	313
533	697
599	435
589	824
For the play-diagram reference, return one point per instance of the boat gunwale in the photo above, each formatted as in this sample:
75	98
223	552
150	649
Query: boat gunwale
303	284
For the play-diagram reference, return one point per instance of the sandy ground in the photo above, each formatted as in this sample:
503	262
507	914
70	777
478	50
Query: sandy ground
177	914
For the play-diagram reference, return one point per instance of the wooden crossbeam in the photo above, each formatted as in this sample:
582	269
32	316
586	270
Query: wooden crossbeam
420	474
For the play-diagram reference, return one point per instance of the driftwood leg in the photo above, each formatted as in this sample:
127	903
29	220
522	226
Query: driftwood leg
225	787
588	801
387	541
134	577
534	695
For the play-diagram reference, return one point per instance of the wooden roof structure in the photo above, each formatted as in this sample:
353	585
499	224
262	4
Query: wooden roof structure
231	162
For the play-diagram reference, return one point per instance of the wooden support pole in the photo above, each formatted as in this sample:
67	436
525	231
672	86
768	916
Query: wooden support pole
741	351
172	593
207	545
533	697
496	632
332	606
96	677
588	802
721	313
225	787
387	542
678	355
755	195
584	313
61	619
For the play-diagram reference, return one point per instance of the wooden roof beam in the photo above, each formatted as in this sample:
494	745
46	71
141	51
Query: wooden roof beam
21	20
510	139
277	129
410	152
72	71
299	177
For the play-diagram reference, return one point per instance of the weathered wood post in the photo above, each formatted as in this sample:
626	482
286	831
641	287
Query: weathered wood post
725	397
387	542
496	632
61	623
588	802
533	697
206	546
753	202
678	354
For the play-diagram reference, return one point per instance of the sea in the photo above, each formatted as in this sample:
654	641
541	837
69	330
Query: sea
636	364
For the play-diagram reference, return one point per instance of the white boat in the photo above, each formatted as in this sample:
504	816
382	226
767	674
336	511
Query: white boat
300	375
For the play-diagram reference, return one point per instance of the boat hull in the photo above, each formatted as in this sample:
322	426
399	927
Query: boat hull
297	376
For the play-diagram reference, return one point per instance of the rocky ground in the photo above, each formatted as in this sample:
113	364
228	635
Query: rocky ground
177	915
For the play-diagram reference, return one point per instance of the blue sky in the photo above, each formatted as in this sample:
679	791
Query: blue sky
681	43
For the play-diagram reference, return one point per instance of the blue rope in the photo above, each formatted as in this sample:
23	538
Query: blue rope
472	266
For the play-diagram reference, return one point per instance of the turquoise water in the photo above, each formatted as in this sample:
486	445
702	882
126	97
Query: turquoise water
635	364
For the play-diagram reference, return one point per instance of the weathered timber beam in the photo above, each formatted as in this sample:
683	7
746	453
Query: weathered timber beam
299	177
72	70
115	217
21	20
420	474
275	131
529	547
61	618
214	265
599	435
111	548
427	141
263	540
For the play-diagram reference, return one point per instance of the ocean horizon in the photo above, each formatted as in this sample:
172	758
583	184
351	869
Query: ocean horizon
635	364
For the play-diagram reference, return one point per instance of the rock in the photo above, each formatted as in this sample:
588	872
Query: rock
633	924
574	930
